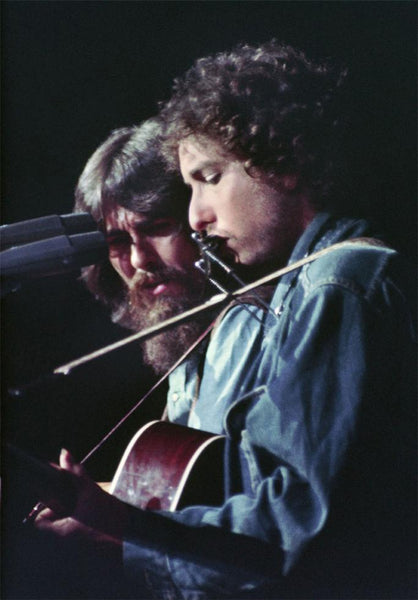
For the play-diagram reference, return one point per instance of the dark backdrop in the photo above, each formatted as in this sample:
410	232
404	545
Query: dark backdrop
71	72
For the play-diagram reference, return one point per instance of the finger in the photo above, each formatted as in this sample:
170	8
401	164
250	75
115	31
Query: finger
68	462
54	525
45	514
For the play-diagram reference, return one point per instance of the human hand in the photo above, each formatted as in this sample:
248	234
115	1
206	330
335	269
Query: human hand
96	516
82	548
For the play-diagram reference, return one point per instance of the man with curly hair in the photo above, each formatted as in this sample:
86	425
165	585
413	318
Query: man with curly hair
319	496
150	275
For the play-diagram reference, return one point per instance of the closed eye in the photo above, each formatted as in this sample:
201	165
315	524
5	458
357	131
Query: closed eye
117	239
160	228
209	173
213	178
120	239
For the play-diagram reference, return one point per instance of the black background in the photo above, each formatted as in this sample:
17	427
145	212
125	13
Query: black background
73	71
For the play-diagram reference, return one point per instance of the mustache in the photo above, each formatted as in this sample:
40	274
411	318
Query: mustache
189	277
144	279
146	309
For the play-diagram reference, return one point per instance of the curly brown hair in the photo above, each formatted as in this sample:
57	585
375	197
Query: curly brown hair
269	106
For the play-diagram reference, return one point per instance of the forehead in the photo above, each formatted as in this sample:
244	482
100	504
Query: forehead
194	153
118	217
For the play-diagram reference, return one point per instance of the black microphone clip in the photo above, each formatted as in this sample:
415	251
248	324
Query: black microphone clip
42	228
53	256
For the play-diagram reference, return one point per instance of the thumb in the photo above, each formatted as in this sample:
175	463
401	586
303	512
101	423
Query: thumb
68	462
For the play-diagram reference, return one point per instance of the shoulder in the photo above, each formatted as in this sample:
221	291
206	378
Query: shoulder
238	320
358	268
377	280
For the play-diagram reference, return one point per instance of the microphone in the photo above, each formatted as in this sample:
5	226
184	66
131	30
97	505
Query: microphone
52	256
41	228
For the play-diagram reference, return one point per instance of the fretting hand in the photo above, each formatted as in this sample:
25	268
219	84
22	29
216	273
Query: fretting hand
95	526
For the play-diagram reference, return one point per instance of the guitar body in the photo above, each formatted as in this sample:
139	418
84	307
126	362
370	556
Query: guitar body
168	466
165	467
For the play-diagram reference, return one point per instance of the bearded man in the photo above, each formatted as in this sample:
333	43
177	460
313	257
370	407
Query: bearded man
142	207
319	485
150	273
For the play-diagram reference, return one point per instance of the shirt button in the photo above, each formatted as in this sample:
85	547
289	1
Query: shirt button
175	397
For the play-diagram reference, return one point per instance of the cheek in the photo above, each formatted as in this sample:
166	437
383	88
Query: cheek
180	253
122	267
237	201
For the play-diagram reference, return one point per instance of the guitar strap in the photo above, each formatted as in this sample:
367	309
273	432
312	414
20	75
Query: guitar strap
250	298
261	300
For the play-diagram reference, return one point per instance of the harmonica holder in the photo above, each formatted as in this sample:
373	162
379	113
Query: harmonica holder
207	246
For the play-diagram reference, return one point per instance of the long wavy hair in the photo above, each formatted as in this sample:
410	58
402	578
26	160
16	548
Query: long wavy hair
269	106
128	170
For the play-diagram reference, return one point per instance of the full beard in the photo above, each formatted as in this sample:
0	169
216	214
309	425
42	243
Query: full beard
162	351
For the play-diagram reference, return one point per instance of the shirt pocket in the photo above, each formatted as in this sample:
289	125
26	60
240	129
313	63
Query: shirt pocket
251	472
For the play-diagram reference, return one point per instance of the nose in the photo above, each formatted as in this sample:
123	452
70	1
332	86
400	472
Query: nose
201	213
143	255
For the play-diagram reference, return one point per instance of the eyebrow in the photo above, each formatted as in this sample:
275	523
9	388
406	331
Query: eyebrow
115	231
141	226
136	226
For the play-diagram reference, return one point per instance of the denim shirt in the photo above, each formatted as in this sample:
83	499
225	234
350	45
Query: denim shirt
229	370
320	439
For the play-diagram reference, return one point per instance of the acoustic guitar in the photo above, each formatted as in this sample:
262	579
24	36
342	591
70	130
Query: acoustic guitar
168	466
164	467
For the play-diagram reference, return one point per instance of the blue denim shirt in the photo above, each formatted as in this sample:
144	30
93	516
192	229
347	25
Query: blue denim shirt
318	440
229	370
